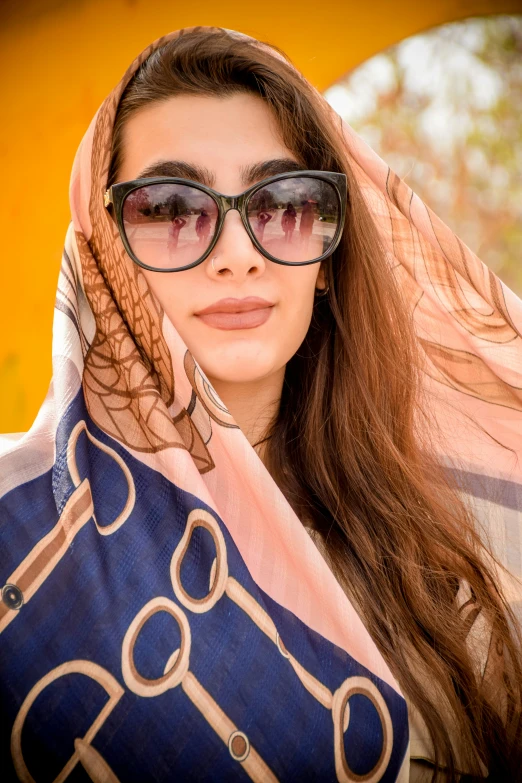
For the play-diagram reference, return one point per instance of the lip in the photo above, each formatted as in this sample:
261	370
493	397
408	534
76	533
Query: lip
236	313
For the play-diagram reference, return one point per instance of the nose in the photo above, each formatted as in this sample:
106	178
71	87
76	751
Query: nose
234	254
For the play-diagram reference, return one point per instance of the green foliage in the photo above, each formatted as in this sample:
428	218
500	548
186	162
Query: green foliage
444	110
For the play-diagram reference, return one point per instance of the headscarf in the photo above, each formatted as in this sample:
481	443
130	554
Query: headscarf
164	612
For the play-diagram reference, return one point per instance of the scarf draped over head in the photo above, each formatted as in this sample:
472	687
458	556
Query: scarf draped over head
164	611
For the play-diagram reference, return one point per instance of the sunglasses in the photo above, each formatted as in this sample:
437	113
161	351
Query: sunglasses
168	224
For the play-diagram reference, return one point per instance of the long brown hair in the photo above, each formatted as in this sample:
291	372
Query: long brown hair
349	446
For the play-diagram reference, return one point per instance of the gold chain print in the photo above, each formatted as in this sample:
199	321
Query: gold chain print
39	564
44	557
92	762
177	671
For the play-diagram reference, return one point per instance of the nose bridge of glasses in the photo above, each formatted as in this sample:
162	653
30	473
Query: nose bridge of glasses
229	202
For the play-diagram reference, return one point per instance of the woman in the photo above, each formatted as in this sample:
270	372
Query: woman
263	217
165	612
176	224
306	224
288	221
203	227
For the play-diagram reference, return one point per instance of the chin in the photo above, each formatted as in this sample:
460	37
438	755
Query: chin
241	369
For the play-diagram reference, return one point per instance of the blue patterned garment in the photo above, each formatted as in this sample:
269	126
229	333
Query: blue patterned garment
149	652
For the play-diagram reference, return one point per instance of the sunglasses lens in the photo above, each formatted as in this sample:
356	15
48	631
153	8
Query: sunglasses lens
295	219
169	226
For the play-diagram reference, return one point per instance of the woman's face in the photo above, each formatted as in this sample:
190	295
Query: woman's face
222	138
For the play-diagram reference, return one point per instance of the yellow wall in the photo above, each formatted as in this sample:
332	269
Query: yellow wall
59	59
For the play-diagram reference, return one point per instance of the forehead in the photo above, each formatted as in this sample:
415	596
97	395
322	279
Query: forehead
222	134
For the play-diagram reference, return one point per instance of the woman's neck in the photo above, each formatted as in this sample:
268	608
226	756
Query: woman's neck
253	404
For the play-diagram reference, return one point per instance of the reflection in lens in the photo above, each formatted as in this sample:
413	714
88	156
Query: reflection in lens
295	219
168	225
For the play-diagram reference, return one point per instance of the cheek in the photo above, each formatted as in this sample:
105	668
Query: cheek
297	305
174	292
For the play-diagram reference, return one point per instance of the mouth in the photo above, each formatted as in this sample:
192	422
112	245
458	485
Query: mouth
236	313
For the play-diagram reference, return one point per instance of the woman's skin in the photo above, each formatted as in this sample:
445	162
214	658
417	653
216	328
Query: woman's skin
224	137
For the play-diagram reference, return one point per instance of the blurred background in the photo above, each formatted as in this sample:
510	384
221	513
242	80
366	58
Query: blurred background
435	89
444	109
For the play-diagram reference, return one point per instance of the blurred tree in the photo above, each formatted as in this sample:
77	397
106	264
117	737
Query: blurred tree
444	110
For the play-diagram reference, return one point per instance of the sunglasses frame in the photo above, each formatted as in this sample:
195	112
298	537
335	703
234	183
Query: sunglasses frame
114	197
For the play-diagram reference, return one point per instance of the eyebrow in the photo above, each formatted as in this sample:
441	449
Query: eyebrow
249	174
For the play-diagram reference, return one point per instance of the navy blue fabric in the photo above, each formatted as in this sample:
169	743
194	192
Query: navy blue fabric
84	608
